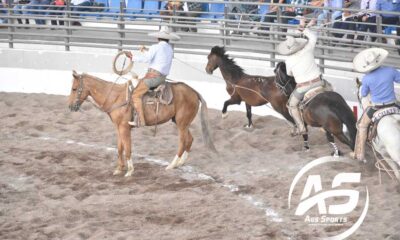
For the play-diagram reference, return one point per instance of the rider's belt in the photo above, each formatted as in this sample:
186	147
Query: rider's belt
308	82
384	105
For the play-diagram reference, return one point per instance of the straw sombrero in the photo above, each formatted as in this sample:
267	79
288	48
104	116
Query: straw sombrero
165	34
369	59
291	45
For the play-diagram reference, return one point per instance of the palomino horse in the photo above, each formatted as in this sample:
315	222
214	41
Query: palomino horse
387	139
114	100
327	110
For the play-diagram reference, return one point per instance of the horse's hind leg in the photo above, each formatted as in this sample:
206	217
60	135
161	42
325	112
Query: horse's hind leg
344	139
248	111
182	137
331	139
188	145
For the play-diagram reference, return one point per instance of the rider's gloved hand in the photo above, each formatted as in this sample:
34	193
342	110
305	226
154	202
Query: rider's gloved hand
142	48
128	54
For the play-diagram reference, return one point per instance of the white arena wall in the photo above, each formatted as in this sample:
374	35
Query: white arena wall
49	71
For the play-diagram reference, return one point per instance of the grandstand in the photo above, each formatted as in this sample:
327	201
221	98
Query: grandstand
114	25
124	24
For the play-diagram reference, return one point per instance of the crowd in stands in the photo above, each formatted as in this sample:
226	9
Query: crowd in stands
362	20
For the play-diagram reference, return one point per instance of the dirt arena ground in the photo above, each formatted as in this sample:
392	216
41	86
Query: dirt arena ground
56	179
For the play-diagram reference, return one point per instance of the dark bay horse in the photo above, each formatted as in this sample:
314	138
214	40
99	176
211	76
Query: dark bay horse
114	100
253	90
327	110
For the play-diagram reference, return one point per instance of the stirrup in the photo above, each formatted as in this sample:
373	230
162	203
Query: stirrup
134	124
135	121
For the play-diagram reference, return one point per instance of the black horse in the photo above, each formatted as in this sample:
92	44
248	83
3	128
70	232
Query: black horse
327	110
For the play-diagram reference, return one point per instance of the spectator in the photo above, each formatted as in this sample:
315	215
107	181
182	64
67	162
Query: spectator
315	12
387	18
348	23
84	6
183	9
169	9
18	9
193	10
37	5
55	10
300	11
335	14
287	13
246	9
368	17
3	10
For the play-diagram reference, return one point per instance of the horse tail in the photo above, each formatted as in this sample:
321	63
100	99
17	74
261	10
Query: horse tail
205	124
205	128
344	113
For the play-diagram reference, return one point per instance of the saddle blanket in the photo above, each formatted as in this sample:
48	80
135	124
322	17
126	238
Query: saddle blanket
378	115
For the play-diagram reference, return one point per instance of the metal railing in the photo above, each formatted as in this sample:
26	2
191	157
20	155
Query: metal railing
124	28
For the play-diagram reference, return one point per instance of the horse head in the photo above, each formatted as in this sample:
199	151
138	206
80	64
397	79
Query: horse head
286	82
78	92
214	58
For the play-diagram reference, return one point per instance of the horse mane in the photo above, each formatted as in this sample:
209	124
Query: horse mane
116	86
228	63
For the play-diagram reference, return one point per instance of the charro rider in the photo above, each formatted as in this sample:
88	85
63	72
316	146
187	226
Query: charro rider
379	83
300	64
159	57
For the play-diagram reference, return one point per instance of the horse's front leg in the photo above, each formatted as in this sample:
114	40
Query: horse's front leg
249	115
235	99
121	162
125	133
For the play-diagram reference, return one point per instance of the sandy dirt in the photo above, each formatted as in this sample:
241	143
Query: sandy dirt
56	179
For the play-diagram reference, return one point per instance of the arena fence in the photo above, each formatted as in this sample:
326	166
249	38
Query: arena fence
118	25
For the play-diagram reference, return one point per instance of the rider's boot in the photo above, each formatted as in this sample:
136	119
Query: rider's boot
137	95
296	114
361	138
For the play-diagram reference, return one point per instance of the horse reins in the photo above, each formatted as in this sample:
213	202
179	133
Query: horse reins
245	88
101	107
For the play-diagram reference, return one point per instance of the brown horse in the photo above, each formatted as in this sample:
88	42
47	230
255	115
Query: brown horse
114	100
253	90
327	110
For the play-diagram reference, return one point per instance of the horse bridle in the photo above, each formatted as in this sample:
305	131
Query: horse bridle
79	91
280	83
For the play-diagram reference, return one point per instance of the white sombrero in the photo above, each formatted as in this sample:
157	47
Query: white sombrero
165	34
291	45
369	59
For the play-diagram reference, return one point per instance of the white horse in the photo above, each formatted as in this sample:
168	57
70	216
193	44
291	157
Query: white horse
387	140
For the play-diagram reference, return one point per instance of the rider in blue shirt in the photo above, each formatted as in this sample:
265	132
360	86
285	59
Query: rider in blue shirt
379	83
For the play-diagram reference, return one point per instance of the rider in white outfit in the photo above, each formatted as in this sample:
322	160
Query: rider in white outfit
301	65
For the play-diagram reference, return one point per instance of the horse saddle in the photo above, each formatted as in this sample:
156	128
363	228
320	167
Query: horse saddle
162	94
378	115
312	93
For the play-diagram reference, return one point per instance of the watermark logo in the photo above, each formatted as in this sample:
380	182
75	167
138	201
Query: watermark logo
314	195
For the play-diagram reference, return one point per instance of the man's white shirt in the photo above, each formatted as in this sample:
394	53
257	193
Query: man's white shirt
301	65
159	57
